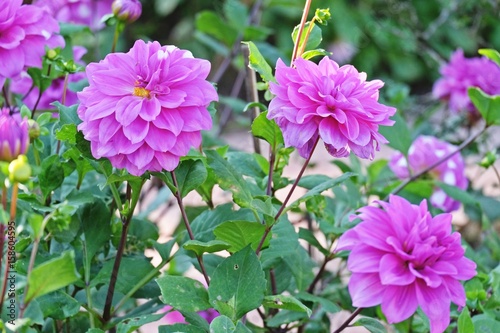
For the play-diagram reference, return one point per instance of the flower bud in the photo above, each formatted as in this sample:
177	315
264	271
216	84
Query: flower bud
14	137
33	129
19	169
127	10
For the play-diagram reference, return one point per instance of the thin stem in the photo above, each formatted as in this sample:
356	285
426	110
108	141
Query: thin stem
496	173
251	92
49	68
2	228
272	160
118	30
317	278
6	96
437	163
308	33
177	195
348	320
301	29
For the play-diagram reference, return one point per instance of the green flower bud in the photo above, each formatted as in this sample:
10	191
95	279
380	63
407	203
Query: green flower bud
322	15
33	129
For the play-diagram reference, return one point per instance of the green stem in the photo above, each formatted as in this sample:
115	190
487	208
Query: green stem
118	30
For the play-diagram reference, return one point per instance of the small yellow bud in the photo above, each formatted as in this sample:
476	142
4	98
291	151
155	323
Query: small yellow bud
19	169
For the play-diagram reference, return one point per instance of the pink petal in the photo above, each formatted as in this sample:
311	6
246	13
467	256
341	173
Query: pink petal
365	289
394	271
364	259
435	303
399	303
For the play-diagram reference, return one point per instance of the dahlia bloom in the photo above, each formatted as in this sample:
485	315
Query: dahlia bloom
424	152
335	103
25	31
127	10
144	109
23	84
402	257
460	74
14	137
86	12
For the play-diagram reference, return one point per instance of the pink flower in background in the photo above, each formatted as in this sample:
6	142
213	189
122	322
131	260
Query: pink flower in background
460	74
145	109
127	10
14	136
402	257
175	317
86	12
335	103
23	85
424	152
25	31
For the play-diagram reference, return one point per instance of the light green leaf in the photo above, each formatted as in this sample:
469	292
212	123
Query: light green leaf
131	325
223	324
183	293
58	305
314	53
180	328
205	247
485	324
238	284
52	275
211	24
398	135
372	325
464	323
314	39
240	234
190	174
488	106
267	130
285	302
259	64
491	54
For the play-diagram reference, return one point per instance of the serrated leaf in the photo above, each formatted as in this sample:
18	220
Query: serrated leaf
67	133
488	106
491	54
238	284
52	275
258	63
67	114
58	305
229	179
285	302
205	247
240	234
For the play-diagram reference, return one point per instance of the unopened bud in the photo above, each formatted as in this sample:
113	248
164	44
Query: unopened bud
19	169
127	10
322	15
51	54
14	138
33	129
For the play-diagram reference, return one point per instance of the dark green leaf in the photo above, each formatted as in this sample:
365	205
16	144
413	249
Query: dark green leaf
488	106
95	219
223	324
131	325
67	114
51	175
164	249
457	194
259	64
314	39
58	305
183	293
237	285
267	130
372	325
398	135
309	237
211	24
235	13
190	174
205	247
240	234
52	275
178	328
286	302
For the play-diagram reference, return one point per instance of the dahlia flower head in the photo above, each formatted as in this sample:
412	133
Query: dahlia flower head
424	152
402	258
86	12
460	74
333	103
145	109
25	31
23	85
14	136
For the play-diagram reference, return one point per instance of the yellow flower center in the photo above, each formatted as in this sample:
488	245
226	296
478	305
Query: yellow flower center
141	92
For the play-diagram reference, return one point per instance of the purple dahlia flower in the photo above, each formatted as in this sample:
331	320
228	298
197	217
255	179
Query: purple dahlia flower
127	10
86	12
25	31
424	152
335	103
402	257
23	84
14	136
460	74
144	109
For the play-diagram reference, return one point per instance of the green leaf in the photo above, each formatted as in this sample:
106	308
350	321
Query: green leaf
491	54
95	219
52	275
211	24
464	323
67	114
229	178
314	39
314	53
223	324
309	237
51	176
267	130
235	13
205	247
398	135
258	63
240	234
58	305
485	324
372	325
285	302
178	328
95	330
183	293
67	133
131	325
238	284
164	249
332	182
488	106
190	175
457	194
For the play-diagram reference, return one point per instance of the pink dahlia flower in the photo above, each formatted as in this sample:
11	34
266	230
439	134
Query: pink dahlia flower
23	85
335	103
144	109
86	12
14	136
460	74
424	152
25	31
402	257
